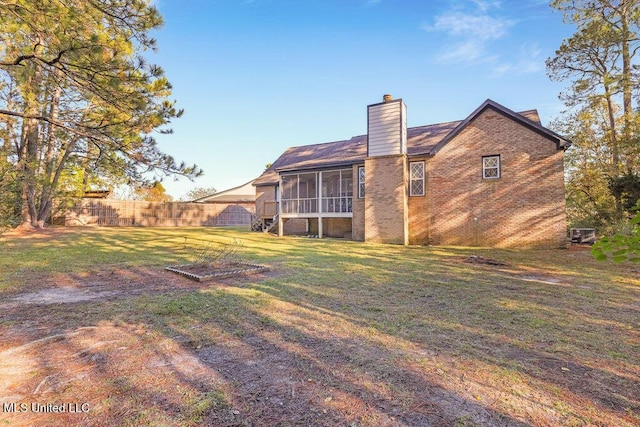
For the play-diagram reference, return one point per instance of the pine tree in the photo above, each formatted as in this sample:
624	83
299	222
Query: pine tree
86	99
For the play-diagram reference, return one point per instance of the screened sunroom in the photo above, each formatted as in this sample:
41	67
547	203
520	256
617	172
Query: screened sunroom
322	192
316	196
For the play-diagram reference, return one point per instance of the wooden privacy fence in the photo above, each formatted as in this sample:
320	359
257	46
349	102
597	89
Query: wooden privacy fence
156	214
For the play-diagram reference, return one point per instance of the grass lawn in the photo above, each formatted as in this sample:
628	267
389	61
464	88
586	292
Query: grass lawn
338	333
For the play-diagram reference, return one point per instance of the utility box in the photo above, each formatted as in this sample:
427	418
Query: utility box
583	235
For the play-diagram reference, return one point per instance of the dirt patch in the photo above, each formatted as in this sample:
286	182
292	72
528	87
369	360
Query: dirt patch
88	374
61	296
101	285
35	233
65	288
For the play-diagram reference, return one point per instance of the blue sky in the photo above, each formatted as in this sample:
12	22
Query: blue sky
258	76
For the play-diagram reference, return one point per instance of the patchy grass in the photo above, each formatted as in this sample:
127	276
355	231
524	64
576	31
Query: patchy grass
339	333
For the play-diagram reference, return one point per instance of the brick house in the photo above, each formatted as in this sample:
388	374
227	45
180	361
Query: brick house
495	178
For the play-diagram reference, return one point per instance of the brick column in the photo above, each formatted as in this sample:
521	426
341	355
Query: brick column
386	215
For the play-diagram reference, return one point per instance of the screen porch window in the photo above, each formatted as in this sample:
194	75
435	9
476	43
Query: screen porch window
328	191
491	167
416	178
300	193
337	191
361	182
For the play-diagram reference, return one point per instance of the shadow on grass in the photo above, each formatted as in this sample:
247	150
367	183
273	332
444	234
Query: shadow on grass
453	324
347	333
286	374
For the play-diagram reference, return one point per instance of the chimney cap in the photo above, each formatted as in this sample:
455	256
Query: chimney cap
386	97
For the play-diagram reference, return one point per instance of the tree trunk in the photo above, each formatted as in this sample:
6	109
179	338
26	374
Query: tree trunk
47	206
615	152
26	166
50	159
28	151
626	66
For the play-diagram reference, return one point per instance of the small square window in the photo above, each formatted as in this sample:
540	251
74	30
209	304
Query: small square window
416	179
491	167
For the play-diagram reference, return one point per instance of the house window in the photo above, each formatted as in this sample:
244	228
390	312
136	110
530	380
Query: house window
491	167
361	182
416	178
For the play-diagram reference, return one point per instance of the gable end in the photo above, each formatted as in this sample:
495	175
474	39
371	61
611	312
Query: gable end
560	142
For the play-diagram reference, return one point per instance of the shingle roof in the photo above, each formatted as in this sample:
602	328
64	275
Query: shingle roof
346	152
422	140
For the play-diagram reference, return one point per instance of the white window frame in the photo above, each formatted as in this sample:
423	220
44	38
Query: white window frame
497	168
419	178
361	187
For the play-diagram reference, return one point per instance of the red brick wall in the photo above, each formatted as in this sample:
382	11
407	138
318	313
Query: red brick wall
523	208
358	209
337	227
386	210
295	226
419	211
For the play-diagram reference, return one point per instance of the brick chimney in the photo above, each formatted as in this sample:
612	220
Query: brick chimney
386	208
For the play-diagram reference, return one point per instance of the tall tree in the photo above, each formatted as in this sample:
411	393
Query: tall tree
87	101
598	59
618	21
590	202
591	59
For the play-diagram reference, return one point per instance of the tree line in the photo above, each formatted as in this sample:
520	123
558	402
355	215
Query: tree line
602	119
79	103
599	61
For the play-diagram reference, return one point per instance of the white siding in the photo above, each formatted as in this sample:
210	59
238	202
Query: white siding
387	128
403	131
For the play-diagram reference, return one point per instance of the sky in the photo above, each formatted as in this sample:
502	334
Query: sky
258	76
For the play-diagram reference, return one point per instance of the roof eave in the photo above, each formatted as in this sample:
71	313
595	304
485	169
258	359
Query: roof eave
327	165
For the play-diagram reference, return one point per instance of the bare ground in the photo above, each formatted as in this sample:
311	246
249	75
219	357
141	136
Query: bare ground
71	341
122	370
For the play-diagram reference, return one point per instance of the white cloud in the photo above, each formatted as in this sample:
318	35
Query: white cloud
468	26
469	32
485	5
467	51
528	61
